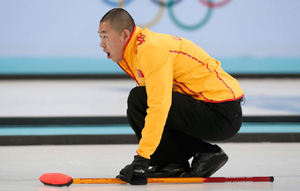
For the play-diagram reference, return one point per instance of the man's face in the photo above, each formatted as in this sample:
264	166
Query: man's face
112	42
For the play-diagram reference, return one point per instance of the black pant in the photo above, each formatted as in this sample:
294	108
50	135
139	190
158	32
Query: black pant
189	122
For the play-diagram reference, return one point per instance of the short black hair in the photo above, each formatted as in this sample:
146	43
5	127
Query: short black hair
119	20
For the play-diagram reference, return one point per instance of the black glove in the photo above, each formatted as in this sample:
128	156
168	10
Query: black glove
136	172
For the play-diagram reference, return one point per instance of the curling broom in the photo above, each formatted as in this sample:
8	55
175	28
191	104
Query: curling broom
58	179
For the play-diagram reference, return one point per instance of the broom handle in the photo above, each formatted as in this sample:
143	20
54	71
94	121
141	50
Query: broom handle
175	180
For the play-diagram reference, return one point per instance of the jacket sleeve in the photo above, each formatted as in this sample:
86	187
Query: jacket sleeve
158	75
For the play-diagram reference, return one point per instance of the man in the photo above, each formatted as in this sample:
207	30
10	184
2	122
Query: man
184	97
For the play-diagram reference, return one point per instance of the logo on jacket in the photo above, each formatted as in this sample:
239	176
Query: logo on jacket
176	38
141	38
140	73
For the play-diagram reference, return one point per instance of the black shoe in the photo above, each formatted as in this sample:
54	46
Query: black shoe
206	164
169	170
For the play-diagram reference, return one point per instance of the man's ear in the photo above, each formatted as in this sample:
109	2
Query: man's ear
126	34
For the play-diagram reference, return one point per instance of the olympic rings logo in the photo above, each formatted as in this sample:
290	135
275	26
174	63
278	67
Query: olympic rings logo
210	4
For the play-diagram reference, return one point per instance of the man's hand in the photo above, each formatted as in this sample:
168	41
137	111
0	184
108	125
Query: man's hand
136	172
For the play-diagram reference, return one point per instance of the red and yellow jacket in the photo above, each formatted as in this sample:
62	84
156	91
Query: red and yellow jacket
165	63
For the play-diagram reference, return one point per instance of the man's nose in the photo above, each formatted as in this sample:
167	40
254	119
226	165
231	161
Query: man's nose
102	45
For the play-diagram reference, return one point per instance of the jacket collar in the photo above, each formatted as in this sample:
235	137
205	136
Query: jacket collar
130	47
128	53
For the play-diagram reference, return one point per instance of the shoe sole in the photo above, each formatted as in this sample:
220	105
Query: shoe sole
216	165
168	171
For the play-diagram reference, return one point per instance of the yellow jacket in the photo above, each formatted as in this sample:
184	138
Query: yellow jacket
165	63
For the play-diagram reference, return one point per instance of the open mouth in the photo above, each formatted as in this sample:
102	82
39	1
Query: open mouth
108	55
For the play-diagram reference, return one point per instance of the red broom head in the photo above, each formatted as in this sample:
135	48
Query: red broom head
56	179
